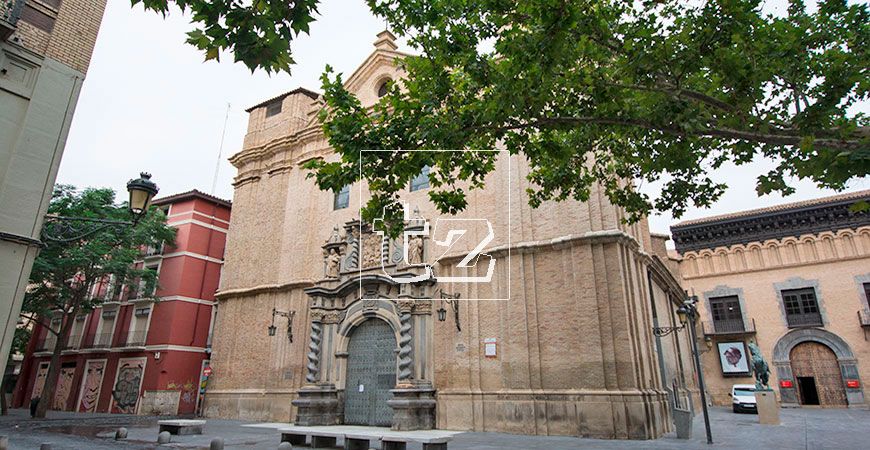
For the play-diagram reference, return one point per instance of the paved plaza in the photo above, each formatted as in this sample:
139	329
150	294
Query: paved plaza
805	428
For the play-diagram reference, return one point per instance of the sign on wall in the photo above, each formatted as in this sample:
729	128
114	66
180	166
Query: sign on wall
733	357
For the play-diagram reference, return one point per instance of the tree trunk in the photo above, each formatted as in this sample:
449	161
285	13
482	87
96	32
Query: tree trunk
48	389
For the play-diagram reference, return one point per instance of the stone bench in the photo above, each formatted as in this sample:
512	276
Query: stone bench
400	441
361	439
181	427
319	438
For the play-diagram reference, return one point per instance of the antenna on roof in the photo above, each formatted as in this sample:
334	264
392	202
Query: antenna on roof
217	165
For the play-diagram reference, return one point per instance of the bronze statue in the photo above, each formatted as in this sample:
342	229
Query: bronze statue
759	368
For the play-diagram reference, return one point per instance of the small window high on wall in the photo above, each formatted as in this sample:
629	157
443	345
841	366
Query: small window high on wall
421	181
342	198
273	108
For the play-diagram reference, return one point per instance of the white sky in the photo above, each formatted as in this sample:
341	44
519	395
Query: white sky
150	103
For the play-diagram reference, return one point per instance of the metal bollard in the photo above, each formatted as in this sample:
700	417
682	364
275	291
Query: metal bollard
285	446
4	442
216	444
163	437
120	433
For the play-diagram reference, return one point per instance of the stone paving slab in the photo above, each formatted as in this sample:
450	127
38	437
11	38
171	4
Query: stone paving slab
801	429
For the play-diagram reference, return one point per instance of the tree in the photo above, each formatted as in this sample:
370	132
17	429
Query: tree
612	92
258	32
66	276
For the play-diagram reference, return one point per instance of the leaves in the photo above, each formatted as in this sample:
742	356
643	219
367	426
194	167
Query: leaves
610	93
65	273
258	33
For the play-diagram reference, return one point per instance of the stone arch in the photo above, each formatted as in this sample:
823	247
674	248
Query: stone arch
845	358
786	343
361	311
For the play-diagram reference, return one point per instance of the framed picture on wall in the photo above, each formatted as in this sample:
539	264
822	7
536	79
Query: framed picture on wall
734	358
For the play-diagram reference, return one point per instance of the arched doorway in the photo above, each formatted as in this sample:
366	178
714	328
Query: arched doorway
371	373
817	375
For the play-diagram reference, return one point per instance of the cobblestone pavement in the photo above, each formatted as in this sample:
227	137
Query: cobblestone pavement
805	428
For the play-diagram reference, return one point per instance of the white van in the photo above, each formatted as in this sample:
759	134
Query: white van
743	398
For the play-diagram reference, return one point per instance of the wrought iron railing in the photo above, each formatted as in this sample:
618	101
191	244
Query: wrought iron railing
135	339
804	320
46	344
100	340
733	326
10	11
72	343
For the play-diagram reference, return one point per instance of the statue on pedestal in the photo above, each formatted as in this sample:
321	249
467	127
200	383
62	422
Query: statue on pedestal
759	368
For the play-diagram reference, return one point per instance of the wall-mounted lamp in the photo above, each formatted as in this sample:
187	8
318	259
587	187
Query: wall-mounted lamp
453	301
709	341
289	315
683	314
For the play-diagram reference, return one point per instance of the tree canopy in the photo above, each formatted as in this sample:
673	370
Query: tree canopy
613	92
71	278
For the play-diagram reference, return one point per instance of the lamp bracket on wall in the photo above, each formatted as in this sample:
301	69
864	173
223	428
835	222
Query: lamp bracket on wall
289	315
453	301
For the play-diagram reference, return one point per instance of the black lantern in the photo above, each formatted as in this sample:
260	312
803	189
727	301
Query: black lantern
683	314
272	329
442	313
141	190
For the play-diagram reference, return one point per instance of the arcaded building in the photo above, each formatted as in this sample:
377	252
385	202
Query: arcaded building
794	278
322	321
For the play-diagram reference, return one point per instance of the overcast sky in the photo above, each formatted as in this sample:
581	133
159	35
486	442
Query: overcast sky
150	103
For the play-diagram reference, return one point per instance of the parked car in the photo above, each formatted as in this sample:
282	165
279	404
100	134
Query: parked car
743	398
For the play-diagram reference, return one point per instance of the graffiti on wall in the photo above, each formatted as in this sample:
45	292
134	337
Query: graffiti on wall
41	373
91	386
188	391
64	387
127	384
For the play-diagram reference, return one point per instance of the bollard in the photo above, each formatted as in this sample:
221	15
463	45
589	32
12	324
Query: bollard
120	433
45	446
4	442
285	446
216	444
163	437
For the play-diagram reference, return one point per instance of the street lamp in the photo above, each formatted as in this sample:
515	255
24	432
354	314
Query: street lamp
682	314
453	301
142	190
64	229
691	311
289	315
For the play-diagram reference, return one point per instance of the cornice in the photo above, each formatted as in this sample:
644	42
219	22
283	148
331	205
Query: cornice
263	288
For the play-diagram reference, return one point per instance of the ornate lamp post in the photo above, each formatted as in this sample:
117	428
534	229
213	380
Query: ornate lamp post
68	229
688	312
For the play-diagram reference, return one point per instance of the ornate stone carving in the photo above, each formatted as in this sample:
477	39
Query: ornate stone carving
351	260
334	316
415	249
372	250
314	348
333	261
405	348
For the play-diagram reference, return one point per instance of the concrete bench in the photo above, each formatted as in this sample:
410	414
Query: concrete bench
181	427
400	442
319	438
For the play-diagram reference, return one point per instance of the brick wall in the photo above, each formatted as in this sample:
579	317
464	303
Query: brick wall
65	30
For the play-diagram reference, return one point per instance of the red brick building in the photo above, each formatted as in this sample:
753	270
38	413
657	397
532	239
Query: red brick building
133	354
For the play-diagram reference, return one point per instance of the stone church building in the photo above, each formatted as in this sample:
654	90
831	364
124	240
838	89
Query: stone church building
322	321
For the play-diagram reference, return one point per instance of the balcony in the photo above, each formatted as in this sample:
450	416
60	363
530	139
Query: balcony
804	320
10	11
135	339
732	327
45	344
73	343
863	319
99	341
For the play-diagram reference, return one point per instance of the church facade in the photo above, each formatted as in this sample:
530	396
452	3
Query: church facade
323	321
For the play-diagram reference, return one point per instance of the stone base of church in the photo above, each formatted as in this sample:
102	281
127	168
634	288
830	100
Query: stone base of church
413	408
318	405
594	414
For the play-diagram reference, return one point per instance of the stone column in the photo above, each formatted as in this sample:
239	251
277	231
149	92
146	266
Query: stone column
318	401
406	360
413	400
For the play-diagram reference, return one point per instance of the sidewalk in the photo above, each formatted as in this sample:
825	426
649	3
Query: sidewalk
801	429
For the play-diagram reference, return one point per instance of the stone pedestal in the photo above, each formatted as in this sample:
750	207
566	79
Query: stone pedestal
318	405
683	419
413	408
768	408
